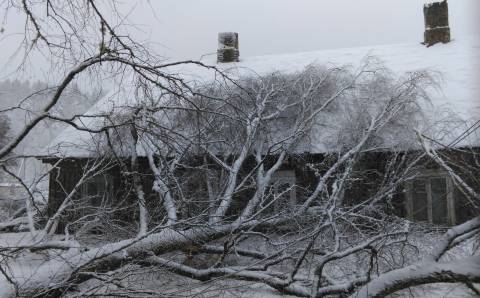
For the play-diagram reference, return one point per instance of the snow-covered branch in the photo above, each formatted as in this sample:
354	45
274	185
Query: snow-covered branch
466	270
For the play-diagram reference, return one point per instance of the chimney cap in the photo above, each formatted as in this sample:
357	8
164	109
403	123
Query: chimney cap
228	39
228	47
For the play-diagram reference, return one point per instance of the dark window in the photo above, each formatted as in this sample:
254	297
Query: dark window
464	209
281	195
96	190
430	200
438	188
420	200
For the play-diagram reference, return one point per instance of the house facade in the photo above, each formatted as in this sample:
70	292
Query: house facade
431	196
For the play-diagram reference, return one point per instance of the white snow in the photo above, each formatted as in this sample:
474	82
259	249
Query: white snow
429	3
6	184
469	266
457	63
35	266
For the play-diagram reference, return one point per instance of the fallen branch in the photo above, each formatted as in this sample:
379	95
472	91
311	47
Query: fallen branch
13	223
207	274
55	277
466	270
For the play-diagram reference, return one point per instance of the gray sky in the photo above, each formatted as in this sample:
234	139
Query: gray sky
188	28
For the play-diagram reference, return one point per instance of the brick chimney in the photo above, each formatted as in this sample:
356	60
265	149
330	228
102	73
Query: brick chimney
436	23
228	47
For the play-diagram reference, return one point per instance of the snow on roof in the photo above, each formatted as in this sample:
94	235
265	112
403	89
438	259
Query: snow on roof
457	62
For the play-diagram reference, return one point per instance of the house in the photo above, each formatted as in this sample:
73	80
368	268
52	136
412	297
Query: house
431	197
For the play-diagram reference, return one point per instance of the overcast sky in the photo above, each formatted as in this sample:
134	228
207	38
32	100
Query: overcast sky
188	28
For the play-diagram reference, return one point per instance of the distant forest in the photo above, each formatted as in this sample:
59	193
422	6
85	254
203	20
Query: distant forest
27	98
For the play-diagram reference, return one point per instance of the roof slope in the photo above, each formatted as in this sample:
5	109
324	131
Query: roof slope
457	62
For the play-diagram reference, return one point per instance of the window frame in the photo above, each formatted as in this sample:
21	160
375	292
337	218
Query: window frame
428	175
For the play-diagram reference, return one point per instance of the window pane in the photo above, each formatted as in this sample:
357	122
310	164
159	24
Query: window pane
92	189
419	198
439	200
464	209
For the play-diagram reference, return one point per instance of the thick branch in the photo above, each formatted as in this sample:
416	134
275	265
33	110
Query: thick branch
63	85
464	271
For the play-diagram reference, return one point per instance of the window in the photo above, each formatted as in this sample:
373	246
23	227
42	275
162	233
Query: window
96	190
430	198
282	190
464	207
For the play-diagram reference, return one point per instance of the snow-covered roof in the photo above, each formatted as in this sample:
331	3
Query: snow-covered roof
457	62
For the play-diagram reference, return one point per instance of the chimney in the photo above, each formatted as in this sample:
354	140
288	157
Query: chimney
228	47
436	23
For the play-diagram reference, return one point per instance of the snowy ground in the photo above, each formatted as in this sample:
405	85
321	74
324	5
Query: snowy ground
157	281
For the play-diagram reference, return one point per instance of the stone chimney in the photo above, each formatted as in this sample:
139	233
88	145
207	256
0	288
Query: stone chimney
228	47
436	23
